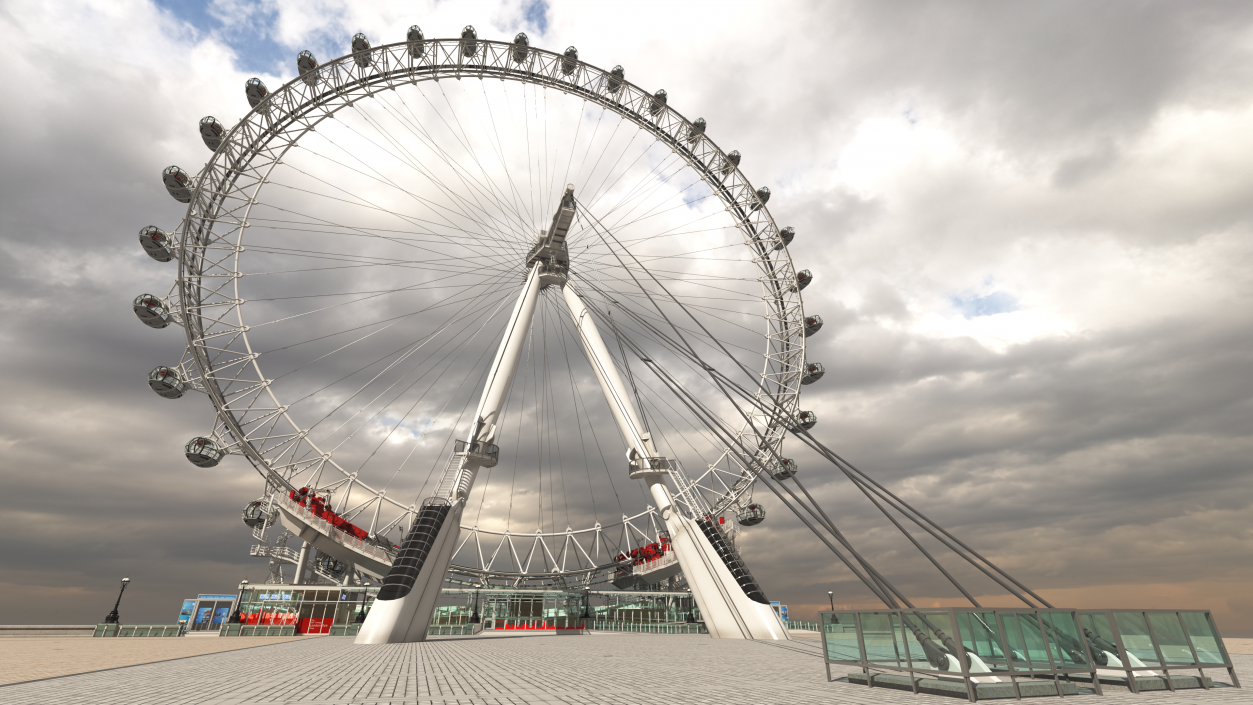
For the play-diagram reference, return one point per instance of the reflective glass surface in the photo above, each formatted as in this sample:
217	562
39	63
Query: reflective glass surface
839	633
1134	630
1170	637
1067	648
1209	649
881	634
981	635
925	635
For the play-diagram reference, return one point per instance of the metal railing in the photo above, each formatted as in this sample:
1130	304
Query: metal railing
606	625
487	454
139	630
664	560
282	553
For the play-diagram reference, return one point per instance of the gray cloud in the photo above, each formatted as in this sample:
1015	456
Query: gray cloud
1090	162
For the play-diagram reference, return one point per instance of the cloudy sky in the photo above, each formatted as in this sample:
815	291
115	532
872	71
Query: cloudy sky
1029	225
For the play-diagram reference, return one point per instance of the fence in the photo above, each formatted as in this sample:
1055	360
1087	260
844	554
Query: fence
605	625
974	650
258	630
138	630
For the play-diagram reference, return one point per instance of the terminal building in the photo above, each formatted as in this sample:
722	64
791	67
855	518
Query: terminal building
279	609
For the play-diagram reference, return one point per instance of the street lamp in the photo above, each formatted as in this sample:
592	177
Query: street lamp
831	597
112	618
475	618
239	602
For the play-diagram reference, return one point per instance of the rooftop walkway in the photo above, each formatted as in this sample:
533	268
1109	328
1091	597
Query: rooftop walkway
508	669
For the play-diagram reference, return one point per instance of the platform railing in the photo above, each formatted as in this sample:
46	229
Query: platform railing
648	566
1012	652
144	630
323	526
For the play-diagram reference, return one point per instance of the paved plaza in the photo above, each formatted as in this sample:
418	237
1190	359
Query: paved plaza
603	669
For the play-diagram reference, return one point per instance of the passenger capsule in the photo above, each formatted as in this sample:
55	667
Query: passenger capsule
212	132
763	195
152	311
696	130
330	566
659	102
254	514
806	420
813	372
751	515
361	50
307	67
616	78
812	325
156	242
469	41
521	48
203	452
166	382
256	91
786	236
784	470
731	162
178	183
417	42
569	60
803	278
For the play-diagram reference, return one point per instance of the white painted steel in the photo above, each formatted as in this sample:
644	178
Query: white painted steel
728	613
407	619
207	302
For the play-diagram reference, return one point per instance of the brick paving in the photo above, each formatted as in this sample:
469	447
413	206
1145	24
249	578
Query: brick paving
598	669
33	658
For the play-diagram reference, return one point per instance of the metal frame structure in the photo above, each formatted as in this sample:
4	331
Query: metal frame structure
206	301
210	239
1055	645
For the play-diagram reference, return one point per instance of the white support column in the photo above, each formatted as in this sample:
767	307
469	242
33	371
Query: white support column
407	618
302	564
728	612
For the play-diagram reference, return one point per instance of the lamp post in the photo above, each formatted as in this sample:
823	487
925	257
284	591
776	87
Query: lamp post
831	597
237	617
112	617
475	618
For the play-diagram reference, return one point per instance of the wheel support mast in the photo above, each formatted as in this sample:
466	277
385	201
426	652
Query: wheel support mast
730	602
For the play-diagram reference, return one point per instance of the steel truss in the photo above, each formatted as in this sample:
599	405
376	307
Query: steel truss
251	421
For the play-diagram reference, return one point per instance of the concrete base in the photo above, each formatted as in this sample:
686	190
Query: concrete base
1153	682
957	689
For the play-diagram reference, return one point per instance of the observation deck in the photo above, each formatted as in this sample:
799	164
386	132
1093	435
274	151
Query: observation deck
322	535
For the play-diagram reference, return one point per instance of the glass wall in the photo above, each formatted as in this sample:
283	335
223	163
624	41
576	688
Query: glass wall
210	612
1125	645
311	609
316	609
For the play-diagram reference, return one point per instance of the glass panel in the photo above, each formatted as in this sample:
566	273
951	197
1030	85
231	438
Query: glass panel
1135	638
1028	639
1170	638
881	633
1100	637
1013	635
926	646
840	637
979	635
1068	651
1201	629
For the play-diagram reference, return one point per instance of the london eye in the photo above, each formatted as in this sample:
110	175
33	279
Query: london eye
472	307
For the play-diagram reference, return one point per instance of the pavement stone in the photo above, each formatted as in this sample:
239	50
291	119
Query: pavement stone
533	669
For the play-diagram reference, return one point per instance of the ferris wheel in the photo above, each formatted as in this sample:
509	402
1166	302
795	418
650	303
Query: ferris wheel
457	278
